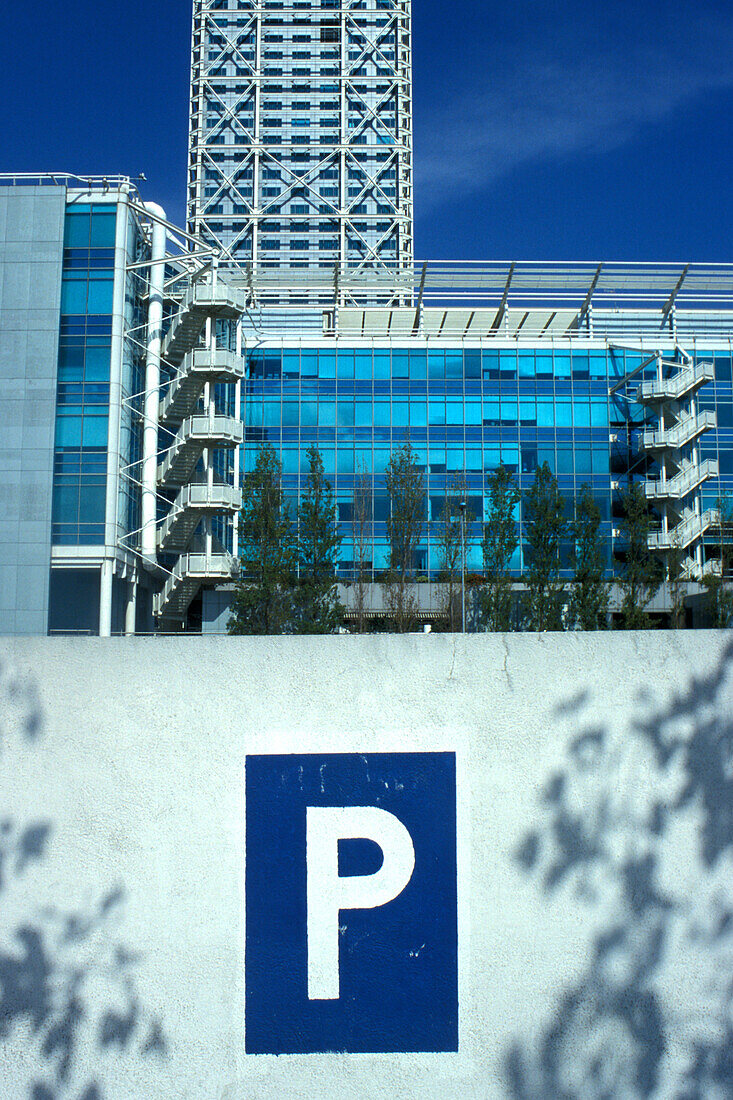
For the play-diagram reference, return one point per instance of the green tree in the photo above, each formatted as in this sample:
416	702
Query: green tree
363	504
718	585
265	592
319	542
451	533
640	573
406	490
719	600
499	544
544	524
676	582
589	600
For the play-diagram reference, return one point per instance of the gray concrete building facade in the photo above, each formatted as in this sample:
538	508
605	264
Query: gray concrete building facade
31	256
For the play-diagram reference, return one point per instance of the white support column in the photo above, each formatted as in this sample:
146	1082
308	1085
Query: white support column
343	171
105	598
131	605
114	460
256	160
152	389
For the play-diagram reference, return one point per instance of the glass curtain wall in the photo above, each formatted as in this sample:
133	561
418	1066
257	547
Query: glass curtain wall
464	410
82	411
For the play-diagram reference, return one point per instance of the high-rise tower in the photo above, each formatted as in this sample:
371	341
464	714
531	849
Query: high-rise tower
301	133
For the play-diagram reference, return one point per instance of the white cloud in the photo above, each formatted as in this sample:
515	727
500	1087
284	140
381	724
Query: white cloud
593	97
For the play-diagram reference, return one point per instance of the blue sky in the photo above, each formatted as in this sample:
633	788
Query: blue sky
542	130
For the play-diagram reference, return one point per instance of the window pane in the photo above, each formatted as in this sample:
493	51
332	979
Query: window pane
103	229
100	296
95	431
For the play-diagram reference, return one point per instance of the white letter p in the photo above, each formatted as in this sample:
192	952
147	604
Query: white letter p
328	894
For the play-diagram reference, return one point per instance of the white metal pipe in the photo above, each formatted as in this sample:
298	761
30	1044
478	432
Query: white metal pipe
152	388
105	598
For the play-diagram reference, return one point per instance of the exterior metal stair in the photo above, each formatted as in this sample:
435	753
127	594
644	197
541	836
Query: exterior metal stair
689	477
682	384
199	367
195	434
193	502
680	434
682	534
212	298
675	447
189	573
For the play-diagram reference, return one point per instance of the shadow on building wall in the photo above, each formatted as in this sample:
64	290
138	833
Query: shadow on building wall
638	826
66	975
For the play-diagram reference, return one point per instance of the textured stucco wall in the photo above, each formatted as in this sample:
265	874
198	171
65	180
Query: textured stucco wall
595	847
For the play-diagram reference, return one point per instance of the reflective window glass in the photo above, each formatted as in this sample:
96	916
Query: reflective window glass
381	364
562	364
346	414
326	364
289	413
454	364
454	411
94	433
400	365
291	364
526	364
436	364
345	364
472	363
327	412
581	413
99	297
363	365
103	228
418	364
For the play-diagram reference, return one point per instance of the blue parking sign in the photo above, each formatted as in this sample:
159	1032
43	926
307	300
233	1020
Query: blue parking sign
351	903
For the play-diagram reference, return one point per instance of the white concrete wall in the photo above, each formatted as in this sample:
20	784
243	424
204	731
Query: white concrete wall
595	859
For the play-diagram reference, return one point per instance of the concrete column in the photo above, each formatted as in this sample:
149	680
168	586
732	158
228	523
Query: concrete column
152	388
114	458
105	598
131	605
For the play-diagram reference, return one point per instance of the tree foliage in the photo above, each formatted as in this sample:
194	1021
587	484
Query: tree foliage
362	535
450	539
499	544
265	592
405	484
544	526
589	600
640	573
719	600
319	542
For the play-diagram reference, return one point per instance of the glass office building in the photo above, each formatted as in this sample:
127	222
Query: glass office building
465	409
75	355
300	148
139	382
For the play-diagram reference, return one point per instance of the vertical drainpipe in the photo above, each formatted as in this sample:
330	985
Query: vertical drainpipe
114	461
152	390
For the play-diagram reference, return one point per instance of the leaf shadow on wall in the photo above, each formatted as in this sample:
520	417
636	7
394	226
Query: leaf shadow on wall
637	826
62	964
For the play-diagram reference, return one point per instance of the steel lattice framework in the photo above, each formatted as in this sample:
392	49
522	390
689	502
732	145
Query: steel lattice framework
301	135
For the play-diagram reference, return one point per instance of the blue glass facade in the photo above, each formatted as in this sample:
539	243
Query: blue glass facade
85	362
82	418
464	409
